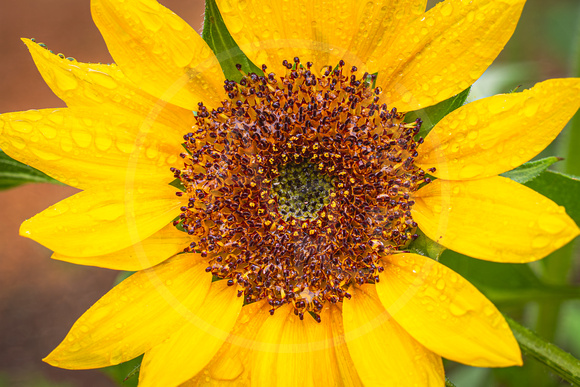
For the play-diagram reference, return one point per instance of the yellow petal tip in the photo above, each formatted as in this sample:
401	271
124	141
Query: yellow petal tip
25	230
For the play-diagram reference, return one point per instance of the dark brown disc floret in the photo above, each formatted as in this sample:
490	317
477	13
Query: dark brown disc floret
298	185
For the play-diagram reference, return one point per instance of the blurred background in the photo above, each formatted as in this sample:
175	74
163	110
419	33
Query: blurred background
40	298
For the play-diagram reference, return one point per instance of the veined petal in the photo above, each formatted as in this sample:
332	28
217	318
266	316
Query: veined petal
84	147
160	52
322	32
373	28
151	251
496	134
191	348
442	53
282	349
445	313
294	352
136	315
97	85
100	222
383	352
232	363
495	219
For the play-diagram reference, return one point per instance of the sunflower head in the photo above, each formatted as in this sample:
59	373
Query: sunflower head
297	185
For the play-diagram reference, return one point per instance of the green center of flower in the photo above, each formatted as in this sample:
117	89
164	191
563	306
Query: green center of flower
301	190
298	185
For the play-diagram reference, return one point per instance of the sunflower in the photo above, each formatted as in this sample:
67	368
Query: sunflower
268	227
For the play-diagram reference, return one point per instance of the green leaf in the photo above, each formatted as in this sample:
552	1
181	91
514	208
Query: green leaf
223	45
560	362
122	276
177	184
572	133
125	374
425	246
449	383
561	188
506	283
433	114
530	170
13	173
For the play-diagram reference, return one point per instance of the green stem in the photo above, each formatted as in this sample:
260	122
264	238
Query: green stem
557	266
572	161
544	295
561	363
448	383
556	269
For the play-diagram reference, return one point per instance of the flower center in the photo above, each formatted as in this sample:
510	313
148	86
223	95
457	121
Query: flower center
298	185
301	191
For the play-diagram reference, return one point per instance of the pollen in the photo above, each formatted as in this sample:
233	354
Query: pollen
298	184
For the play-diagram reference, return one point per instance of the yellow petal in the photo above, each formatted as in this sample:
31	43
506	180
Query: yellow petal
495	219
160	52
86	147
496	134
294	351
445	313
232	363
191	348
322	32
149	252
100	222
383	352
282	349
441	53
99	85
136	315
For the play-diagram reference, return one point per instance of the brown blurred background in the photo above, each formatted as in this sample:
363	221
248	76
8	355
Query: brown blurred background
40	298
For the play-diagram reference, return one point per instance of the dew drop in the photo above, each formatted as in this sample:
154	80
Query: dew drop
22	126
103	142
446	9
457	310
540	241
551	223
82	138
47	156
66	144
407	97
125	147
17	143
102	79
227	368
471	171
531	109
152	152
472	135
65	81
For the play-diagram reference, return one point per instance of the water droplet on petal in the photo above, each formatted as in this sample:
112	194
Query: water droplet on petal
457	310
227	368
540	241
446	9
551	223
